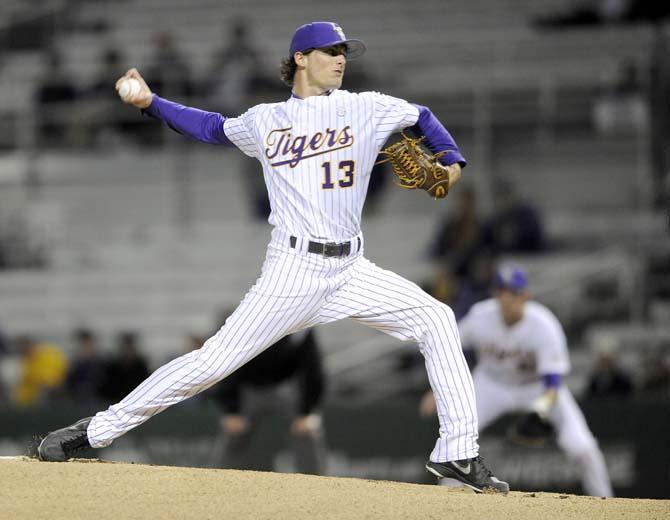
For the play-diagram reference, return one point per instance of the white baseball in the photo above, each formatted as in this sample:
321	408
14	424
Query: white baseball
129	88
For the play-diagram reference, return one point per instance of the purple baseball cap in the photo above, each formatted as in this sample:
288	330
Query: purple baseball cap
511	277
317	35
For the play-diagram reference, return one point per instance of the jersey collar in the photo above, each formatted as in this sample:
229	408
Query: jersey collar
326	93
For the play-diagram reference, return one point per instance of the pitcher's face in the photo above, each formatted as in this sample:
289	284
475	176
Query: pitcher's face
324	68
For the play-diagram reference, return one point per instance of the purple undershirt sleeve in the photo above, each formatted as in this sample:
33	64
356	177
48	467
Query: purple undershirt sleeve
438	139
551	380
206	127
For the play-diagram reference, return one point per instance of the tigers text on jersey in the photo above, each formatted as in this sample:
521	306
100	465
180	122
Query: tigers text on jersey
520	353
317	154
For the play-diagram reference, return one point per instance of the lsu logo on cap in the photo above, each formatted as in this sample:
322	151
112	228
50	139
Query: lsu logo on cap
511	276
339	31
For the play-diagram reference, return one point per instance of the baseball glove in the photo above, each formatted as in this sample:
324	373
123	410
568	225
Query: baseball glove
531	430
416	168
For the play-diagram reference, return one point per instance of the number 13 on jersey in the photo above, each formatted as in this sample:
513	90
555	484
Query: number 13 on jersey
345	174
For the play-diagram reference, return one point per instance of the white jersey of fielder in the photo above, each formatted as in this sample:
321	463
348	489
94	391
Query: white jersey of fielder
317	154
520	353
507	379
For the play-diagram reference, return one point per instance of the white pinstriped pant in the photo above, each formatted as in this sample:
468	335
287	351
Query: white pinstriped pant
297	290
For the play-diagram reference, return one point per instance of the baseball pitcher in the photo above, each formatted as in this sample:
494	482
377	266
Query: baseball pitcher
317	149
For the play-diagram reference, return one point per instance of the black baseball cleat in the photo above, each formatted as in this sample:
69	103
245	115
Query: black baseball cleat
66	443
471	472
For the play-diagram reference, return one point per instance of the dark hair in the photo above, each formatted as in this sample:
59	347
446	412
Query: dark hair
287	70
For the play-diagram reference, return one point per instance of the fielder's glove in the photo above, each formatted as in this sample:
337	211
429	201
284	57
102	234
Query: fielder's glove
416	168
531	430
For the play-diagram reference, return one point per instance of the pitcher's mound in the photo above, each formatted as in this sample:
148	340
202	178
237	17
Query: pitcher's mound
99	491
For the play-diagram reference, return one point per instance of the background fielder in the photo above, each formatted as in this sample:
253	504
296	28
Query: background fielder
522	357
317	150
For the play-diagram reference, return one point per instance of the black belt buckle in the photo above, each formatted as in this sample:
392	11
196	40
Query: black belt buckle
332	249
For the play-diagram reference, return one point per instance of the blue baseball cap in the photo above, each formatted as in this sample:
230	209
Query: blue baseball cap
511	277
318	35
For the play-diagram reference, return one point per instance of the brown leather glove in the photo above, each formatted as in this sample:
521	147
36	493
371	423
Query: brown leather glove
416	168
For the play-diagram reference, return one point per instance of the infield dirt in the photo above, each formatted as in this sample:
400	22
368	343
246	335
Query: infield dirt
101	490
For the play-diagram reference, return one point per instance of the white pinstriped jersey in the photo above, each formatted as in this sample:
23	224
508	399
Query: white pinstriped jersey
519	354
317	154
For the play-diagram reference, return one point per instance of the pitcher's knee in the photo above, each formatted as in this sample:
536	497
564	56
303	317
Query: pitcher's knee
441	315
438	319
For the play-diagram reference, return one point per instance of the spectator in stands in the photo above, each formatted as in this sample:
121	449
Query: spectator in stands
98	113
475	285
111	64
169	73
515	226
607	378
463	267
287	379
235	70
239	78
87	369
55	97
127	370
43	370
458	237
462	291
655	377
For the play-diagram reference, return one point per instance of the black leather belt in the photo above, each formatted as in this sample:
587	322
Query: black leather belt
329	248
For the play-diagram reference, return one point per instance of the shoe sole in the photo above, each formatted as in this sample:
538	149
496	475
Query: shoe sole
452	483
453	478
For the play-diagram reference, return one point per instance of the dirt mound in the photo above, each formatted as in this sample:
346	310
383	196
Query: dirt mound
100	490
